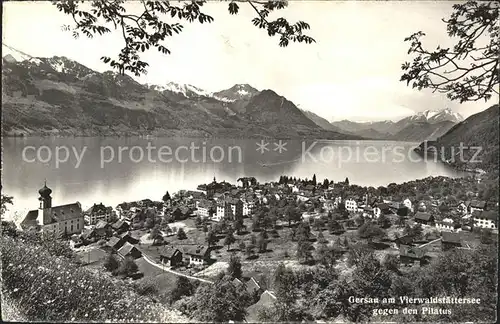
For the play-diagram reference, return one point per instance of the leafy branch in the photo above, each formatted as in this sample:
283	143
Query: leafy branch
468	71
150	28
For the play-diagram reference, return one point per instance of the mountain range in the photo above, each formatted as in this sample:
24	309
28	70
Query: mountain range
426	125
58	96
479	134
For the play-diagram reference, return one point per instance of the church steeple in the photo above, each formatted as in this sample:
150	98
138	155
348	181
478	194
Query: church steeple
45	198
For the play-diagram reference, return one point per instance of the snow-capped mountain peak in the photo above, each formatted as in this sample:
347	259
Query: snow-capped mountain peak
236	92
187	90
436	116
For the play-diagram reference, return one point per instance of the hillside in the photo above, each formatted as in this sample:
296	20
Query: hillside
382	127
426	125
58	96
321	122
423	131
477	131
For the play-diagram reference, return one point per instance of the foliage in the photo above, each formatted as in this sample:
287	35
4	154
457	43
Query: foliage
160	20
111	263
52	288
229	240
384	221
414	232
9	229
234	269
183	287
211	238
370	230
220	302
285	289
4	201
49	242
146	287
304	254
128	267
181	234
469	70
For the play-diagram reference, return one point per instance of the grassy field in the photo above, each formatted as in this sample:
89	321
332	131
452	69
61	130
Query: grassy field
91	255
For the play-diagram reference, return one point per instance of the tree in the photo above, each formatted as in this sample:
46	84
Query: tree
262	241
149	29
229	240
326	183
155	231
181	234
4	201
292	215
359	220
198	221
346	181
238	225
370	230
183	287
9	228
486	236
304	254
150	222
249	250
469	70
111	263
414	232
220	302
285	288
211	238
127	267
242	246
303	232
166	197
321	238
253	239
314	179
234	269
384	221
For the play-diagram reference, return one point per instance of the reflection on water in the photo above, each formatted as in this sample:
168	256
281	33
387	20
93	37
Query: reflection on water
111	170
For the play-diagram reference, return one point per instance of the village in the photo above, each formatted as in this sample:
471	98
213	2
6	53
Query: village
298	222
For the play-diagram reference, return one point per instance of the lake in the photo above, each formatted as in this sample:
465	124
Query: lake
112	170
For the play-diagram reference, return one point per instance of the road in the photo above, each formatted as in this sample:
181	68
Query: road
174	272
425	244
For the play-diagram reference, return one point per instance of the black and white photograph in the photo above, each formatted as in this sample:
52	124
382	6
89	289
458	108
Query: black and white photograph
249	161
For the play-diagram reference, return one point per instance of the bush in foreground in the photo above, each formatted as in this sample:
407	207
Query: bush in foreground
51	288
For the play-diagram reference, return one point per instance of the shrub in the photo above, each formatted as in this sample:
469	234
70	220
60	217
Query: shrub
51	288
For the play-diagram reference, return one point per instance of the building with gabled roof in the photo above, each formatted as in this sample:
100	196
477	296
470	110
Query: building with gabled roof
450	240
424	218
485	218
99	212
197	254
170	255
128	250
411	254
60	220
120	226
115	242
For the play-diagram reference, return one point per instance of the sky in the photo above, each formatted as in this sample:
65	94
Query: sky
351	72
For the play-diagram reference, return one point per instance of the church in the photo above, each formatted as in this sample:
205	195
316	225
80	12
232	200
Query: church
62	220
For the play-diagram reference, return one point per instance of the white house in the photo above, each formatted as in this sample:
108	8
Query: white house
408	204
351	205
204	208
446	225
249	206
485	219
